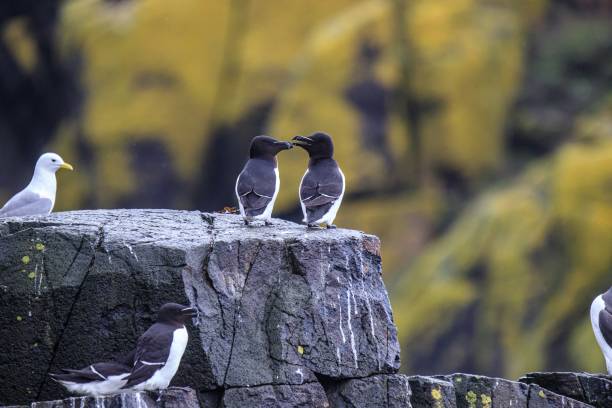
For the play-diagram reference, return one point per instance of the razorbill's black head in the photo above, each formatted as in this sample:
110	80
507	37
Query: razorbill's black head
323	184
173	313
258	182
160	349
266	147
601	319
319	145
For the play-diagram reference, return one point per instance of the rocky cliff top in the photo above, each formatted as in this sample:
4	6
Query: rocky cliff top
287	316
279	305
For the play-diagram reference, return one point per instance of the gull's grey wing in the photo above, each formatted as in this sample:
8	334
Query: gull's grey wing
26	203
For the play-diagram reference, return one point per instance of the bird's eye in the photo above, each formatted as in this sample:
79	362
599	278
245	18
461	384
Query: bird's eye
53	160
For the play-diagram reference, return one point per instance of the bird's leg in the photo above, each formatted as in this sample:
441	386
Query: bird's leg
268	222
246	222
331	226
160	395
313	226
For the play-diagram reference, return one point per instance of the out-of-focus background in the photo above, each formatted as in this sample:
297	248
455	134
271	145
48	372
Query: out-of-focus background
476	137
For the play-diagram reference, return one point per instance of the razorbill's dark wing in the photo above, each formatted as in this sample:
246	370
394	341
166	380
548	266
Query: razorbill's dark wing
256	186
321	186
94	372
151	353
605	325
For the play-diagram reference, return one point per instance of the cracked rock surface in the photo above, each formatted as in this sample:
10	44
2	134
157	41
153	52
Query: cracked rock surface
279	306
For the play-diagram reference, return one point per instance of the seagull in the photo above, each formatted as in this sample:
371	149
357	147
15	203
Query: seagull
38	198
322	186
258	184
160	349
97	379
601	319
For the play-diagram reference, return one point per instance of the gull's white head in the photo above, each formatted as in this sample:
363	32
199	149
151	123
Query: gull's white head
52	162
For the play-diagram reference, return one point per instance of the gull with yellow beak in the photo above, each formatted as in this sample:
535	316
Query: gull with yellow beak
38	198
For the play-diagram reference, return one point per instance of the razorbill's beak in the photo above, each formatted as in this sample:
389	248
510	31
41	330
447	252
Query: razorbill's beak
66	166
284	145
302	141
189	311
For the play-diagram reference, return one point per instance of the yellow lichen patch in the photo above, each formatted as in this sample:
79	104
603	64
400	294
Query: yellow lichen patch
471	398
31	275
436	394
40	246
300	350
25	259
541	394
485	400
19	318
18	39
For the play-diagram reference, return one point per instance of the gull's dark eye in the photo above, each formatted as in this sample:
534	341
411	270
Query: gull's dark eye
53	160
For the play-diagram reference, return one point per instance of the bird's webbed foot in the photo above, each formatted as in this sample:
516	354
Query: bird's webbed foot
331	226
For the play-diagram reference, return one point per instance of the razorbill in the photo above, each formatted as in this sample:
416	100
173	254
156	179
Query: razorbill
601	319
96	379
38	198
258	184
322	186
160	349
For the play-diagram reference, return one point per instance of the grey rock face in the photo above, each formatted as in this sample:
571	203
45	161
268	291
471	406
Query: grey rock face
172	398
595	390
431	392
378	391
277	396
277	304
478	391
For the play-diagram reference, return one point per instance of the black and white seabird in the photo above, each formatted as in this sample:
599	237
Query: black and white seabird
160	349
601	319
322	186
97	379
38	198
258	184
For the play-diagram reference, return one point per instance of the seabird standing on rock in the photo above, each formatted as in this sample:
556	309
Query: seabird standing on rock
97	379
160	349
601	319
322	186
38	198
258	184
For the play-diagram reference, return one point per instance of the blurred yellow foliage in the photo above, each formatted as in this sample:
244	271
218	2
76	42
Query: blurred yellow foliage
524	259
16	36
